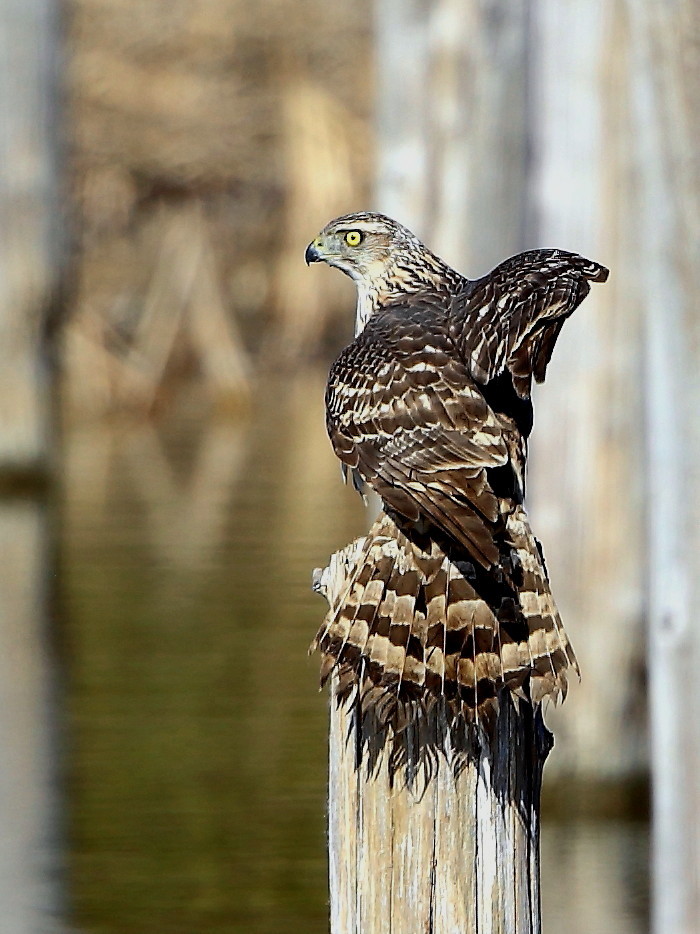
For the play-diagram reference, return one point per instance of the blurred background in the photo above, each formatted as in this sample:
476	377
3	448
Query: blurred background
166	483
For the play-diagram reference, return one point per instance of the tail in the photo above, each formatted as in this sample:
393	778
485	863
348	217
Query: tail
412	625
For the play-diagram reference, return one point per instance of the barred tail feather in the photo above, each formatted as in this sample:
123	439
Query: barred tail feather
411	627
551	653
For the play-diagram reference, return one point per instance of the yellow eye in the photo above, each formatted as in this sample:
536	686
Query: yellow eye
353	238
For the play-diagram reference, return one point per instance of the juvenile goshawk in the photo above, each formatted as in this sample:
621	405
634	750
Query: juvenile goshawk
430	406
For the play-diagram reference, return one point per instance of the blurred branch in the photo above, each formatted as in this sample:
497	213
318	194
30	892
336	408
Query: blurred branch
183	304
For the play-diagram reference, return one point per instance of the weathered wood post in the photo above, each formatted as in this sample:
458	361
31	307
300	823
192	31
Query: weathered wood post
435	829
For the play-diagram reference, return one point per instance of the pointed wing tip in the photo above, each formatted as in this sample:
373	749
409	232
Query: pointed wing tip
598	273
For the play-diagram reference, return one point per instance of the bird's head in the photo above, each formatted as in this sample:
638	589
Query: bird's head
383	257
363	246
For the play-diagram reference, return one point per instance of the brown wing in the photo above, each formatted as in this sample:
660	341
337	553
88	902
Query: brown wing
404	411
512	317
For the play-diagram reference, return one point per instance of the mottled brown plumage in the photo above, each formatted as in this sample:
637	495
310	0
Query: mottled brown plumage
430	406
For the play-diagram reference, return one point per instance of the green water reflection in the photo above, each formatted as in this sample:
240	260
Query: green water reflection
196	737
198	754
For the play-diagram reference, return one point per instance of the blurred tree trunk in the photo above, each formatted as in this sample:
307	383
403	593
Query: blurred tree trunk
451	124
29	260
586	479
31	816
502	127
667	114
29	250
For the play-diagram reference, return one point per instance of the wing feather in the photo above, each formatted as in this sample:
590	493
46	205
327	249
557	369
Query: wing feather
405	411
511	318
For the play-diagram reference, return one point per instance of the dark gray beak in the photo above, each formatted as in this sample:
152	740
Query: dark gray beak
312	255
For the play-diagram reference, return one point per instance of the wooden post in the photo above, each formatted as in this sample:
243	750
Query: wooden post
434	829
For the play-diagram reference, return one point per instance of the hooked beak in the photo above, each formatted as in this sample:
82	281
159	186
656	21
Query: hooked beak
312	255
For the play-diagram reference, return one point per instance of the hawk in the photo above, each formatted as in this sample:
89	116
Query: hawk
430	406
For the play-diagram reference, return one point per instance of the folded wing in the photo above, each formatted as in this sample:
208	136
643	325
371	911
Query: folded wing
405	412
